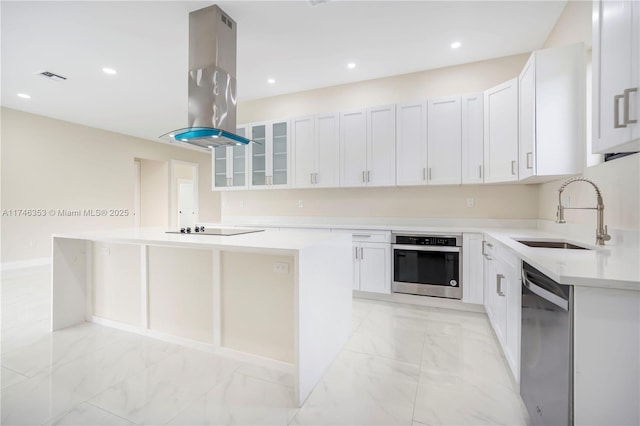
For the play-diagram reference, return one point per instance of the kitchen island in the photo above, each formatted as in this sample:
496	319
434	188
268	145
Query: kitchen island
281	298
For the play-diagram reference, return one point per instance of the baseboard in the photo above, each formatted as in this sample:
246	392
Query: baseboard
201	346
434	302
23	264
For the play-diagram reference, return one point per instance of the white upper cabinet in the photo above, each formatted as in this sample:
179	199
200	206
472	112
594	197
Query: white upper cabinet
411	144
616	76
381	146
501	133
472	138
353	148
367	147
315	151
303	151
269	154
327	152
444	141
551	113
229	166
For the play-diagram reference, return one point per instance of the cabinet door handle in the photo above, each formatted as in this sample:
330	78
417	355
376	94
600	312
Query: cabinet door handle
368	175
529	160
361	253
315	178
484	246
626	105
424	173
429	173
616	112
311	177
480	171
499	278
513	167
356	252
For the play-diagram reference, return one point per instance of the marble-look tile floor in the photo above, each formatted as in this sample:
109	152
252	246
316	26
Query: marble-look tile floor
404	365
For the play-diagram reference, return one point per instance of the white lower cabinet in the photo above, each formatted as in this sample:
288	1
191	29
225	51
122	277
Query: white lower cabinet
472	269
502	299
372	262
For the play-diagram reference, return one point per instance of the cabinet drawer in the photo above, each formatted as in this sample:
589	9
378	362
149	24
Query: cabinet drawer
367	236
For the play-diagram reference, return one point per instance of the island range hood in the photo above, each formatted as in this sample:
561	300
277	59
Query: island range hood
212	82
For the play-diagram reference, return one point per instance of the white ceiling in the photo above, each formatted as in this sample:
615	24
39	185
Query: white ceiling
301	46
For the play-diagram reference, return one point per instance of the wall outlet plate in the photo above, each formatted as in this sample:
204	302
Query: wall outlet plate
281	268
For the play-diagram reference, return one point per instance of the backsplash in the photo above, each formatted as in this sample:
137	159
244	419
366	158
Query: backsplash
469	201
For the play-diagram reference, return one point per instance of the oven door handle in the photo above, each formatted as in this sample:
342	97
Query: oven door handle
447	249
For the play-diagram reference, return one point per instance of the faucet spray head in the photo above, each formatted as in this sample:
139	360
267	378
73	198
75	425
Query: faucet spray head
560	211
560	215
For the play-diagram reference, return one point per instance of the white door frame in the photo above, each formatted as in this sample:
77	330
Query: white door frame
136	193
174	205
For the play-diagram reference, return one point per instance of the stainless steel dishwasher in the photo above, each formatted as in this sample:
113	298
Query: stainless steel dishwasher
546	375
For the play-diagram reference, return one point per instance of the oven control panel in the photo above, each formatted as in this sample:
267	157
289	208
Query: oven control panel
426	240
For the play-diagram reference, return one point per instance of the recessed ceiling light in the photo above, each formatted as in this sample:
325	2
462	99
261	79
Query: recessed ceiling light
271	81
455	44
24	96
109	71
351	65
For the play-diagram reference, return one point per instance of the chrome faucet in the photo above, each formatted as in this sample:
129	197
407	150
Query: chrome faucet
601	230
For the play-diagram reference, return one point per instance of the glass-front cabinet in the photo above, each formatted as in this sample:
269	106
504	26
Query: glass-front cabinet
229	166
269	165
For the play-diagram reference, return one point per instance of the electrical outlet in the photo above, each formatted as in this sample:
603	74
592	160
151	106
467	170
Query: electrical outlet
471	202
300	204
242	204
281	268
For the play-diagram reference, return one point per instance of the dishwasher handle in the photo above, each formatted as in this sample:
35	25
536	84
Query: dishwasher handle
545	294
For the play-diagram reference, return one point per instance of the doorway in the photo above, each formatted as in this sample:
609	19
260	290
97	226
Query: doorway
184	194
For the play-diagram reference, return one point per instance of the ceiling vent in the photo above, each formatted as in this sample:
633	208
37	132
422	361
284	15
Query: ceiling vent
51	76
317	2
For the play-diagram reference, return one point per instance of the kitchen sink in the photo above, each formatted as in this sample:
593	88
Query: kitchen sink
552	244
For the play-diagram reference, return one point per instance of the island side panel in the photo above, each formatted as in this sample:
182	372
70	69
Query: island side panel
606	356
325	280
258	305
180	292
69	273
117	278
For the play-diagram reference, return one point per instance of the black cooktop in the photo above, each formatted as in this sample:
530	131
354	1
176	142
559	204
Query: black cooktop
201	230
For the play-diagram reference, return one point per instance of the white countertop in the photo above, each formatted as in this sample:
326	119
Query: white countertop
609	266
616	265
289	241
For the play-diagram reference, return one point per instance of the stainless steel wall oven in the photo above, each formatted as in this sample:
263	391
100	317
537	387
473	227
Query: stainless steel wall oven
427	265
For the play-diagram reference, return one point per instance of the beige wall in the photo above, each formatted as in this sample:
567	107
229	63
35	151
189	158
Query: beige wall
503	201
51	164
473	77
490	201
573	26
154	193
618	182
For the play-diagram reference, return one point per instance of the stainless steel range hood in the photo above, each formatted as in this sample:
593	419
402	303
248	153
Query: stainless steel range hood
212	82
